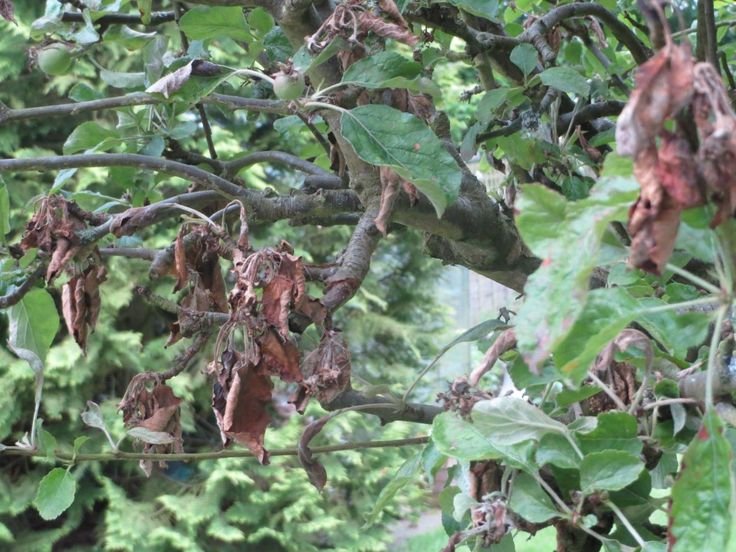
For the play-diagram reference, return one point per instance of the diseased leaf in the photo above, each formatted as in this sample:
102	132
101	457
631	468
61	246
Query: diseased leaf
529	500
701	512
34	322
55	493
204	22
566	79
92	416
504	342
6	11
151	437
556	293
609	470
314	468
385	136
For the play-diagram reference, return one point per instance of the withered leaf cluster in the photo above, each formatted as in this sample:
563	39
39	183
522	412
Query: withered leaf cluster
676	171
196	267
54	229
157	412
352	21
270	287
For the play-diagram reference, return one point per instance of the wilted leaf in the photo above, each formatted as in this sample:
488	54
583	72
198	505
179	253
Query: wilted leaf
390	186
168	84
55	493
151	437
326	371
504	342
92	416
385	136
6	11
315	470
80	302
664	85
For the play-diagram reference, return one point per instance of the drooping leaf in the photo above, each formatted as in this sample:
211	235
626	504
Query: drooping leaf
529	500
701	515
92	416
566	79
609	470
34	322
55	493
151	437
201	23
382	135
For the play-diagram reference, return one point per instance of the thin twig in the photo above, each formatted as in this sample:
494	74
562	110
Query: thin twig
215	455
207	130
10	299
666	402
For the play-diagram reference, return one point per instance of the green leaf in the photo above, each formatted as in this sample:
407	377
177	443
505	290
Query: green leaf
510	420
305	62
615	431
55	493
144	7
88	135
481	8
701	516
34	322
556	293
389	70
524	56
406	474
205	22
529	500
609	470
566	79
382	135
489	103
571	396
460	438
556	450
122	80
4	211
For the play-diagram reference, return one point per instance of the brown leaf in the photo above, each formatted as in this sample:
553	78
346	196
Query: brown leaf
80	303
171	83
180	263
390	182
504	342
315	470
677	172
664	85
129	221
7	11
716	123
279	358
371	22
653	219
326	371
240	397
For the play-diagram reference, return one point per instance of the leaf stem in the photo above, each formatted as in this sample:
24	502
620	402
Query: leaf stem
697	280
627	524
713	356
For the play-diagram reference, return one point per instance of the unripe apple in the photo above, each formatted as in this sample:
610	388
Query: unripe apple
54	59
288	86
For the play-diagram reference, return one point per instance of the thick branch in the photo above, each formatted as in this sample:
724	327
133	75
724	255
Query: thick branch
411	412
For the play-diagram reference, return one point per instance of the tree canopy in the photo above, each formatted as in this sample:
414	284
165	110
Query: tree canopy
222	226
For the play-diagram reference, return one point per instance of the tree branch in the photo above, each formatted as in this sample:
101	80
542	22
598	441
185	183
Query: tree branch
138	98
10	299
67	458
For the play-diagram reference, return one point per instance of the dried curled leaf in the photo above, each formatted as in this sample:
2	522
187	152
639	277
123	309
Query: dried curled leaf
677	172
53	228
326	371
154	415
80	303
390	186
716	123
315	470
240	397
504	342
7	11
172	83
664	85
653	219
